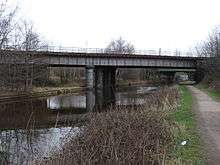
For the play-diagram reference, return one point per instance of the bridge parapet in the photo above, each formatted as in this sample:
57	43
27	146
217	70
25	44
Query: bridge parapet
156	52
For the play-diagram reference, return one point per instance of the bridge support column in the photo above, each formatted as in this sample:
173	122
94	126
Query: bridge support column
190	76
171	77
99	88
89	88
105	86
89	77
113	84
109	85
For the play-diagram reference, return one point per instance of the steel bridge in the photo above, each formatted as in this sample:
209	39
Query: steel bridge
101	65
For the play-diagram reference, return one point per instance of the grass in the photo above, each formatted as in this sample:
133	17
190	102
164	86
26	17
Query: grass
186	129
211	92
124	135
138	135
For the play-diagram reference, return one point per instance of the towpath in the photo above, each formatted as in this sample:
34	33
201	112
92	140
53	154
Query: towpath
208	121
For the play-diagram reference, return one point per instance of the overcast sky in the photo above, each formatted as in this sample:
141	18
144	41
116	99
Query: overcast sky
147	24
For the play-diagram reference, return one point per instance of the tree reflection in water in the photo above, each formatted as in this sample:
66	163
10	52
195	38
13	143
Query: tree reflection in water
34	129
27	131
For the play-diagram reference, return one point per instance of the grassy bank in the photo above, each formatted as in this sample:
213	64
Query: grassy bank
211	92
185	120
148	134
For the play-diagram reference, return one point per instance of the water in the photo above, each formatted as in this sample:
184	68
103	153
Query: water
22	146
37	128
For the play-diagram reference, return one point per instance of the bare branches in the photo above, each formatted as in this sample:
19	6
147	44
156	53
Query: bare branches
6	23
19	71
124	135
211	49
29	39
120	46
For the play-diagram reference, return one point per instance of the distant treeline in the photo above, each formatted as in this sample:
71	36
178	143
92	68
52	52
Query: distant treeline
211	66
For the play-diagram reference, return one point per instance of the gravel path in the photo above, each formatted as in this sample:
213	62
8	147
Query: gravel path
208	121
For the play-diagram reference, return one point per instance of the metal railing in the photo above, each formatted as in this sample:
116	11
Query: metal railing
158	52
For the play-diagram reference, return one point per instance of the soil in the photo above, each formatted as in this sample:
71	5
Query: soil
208	122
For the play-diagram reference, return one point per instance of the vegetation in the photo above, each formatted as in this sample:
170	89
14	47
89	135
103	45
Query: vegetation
124	47
146	134
120	46
124	135
19	35
210	91
184	118
211	66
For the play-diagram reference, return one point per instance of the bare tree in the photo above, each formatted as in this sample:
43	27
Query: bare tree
6	26
29	39
66	75
6	22
20	71
120	46
211	49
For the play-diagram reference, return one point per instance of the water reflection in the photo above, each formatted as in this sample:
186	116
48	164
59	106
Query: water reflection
32	129
69	101
135	96
124	96
23	146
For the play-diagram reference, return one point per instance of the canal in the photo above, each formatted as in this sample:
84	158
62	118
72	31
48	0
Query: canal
37	128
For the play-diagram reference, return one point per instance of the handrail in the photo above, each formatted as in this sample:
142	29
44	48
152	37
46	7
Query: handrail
157	52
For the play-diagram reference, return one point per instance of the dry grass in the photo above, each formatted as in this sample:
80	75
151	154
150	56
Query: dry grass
128	135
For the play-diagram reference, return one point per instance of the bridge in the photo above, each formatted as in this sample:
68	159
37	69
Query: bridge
101	65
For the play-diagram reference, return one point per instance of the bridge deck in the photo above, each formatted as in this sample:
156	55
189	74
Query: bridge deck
108	59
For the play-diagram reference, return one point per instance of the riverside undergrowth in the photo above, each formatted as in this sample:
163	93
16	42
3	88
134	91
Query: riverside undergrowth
125	135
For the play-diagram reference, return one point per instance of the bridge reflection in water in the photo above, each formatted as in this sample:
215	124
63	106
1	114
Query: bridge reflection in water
101	66
32	129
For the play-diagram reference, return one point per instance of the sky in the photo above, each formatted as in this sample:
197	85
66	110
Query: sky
147	24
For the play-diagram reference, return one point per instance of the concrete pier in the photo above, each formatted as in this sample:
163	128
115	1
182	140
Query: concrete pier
90	100
89	77
109	85
99	99
113	84
104	87
99	78
170	77
89	88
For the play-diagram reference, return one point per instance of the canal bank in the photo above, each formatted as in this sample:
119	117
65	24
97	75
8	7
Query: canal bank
163	128
39	119
110	137
42	119
37	92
